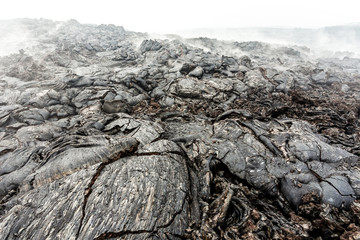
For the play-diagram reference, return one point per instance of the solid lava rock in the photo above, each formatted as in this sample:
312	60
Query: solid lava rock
102	137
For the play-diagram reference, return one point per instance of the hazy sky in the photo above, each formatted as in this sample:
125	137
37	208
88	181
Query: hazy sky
170	16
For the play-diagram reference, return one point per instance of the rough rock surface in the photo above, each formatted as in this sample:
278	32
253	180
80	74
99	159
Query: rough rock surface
109	134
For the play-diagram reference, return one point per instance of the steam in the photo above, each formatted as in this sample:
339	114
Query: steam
24	33
336	41
13	37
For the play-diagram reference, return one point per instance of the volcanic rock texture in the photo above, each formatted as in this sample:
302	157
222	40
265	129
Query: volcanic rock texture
111	134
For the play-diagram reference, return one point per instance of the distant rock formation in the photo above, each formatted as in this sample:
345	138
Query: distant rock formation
108	134
333	41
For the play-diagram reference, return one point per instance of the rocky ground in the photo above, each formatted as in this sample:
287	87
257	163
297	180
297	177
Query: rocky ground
111	134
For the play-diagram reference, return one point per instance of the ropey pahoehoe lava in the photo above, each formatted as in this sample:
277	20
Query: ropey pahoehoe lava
112	134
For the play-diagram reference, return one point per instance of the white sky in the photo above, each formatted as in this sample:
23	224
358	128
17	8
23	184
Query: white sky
170	16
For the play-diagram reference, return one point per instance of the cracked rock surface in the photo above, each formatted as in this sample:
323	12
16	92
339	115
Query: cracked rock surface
111	134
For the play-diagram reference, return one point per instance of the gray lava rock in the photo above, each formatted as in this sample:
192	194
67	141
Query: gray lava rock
115	106
197	72
101	138
337	191
187	68
150	45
